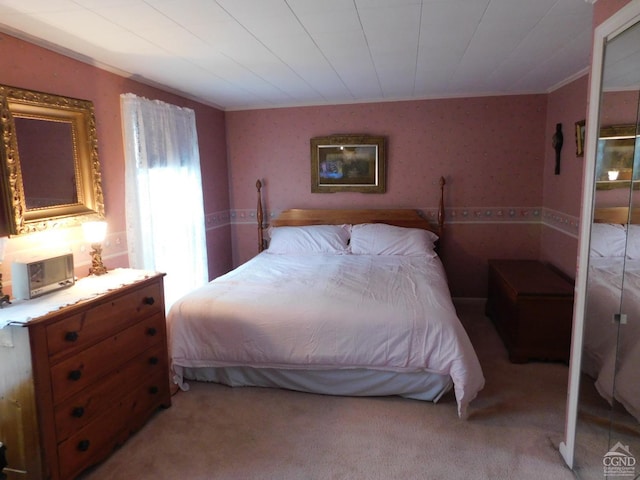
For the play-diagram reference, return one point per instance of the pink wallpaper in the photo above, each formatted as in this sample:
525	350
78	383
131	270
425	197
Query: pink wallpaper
28	66
482	145
490	150
603	9
563	193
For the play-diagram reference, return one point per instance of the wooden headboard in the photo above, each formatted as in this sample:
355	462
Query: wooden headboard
616	215
401	217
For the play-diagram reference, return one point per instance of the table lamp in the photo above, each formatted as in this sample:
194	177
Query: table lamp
94	233
3	298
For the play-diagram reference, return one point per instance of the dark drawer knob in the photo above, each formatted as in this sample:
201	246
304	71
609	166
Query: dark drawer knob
77	412
149	300
154	360
83	445
153	390
71	336
75	375
152	331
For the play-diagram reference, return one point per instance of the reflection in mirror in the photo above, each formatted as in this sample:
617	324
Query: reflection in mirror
615	155
49	169
43	144
609	400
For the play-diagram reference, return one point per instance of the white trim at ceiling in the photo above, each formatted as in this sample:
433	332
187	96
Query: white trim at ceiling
567	81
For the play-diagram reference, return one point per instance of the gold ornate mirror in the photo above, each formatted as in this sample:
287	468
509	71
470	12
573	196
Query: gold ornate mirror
49	167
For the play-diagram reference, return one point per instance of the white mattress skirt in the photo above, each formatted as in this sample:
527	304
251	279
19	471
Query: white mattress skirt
348	382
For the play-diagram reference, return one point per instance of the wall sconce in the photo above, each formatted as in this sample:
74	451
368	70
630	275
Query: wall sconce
613	174
3	298
94	233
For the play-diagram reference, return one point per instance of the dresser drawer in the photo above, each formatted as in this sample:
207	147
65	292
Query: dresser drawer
101	436
81	330
75	373
79	410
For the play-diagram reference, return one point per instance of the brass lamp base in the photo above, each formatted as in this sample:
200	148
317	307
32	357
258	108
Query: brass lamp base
97	267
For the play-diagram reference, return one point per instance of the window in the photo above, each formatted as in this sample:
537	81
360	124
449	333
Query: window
163	193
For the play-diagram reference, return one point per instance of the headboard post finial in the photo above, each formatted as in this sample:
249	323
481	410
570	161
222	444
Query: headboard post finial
260	217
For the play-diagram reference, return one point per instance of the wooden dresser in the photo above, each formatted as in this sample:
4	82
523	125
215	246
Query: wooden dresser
532	308
75	383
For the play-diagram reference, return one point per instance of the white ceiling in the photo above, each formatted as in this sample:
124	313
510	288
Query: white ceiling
239	54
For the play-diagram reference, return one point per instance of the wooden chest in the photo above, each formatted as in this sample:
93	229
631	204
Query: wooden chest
75	383
532	308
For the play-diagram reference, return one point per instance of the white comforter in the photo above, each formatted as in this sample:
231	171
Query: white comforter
390	313
611	354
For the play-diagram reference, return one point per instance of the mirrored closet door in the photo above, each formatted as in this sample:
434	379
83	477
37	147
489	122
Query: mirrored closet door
603	422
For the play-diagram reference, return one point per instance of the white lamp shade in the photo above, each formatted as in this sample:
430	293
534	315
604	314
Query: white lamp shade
94	232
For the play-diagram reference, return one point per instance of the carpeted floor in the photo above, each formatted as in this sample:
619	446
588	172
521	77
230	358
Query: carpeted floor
216	432
600	428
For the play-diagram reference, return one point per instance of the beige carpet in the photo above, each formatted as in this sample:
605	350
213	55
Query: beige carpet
216	432
601	427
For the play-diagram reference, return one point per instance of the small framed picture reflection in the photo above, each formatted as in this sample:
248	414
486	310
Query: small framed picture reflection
615	157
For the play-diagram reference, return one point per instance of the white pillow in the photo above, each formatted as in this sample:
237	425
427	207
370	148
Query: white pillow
383	239
309	239
608	240
633	242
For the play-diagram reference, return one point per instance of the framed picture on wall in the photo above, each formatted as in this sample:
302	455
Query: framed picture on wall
348	163
580	128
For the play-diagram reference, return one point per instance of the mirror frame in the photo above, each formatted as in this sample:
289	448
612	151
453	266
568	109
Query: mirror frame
624	18
44	106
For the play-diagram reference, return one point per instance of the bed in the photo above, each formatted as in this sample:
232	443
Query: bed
611	356
342	302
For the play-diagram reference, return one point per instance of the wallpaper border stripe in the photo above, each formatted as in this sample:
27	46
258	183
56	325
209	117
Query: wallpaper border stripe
548	217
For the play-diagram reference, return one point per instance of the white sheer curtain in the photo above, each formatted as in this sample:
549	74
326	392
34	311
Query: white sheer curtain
163	193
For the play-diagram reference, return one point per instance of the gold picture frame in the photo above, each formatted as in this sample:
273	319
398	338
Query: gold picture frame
348	163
